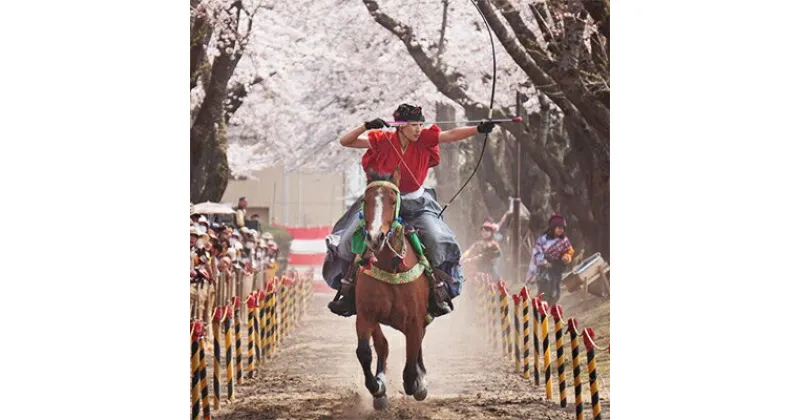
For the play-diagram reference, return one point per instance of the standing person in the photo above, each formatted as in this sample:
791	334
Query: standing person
241	212
413	150
549	259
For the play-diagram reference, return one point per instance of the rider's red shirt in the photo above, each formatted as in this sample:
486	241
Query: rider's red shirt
419	156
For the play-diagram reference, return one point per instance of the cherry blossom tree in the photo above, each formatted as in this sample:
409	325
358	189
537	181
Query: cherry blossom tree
219	34
312	69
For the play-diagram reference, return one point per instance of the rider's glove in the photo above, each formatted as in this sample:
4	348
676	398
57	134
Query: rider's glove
375	124
485	127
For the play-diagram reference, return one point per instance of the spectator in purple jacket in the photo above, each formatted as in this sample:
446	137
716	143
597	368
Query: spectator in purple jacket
549	259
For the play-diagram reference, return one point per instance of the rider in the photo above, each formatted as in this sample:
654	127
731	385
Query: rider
418	207
486	250
550	257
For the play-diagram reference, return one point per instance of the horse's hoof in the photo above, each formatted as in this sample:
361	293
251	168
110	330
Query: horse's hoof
380	403
421	395
381	392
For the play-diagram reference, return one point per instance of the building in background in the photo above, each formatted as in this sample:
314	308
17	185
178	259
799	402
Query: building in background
301	199
306	204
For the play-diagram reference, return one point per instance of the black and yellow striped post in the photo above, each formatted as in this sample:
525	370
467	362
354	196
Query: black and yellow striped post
204	383
281	312
252	306
228	323
218	315
548	381
270	323
535	302
588	341
196	370
295	301
562	377
572	328
292	305
237	331
485	307
266	323
517	332
506	323
258	316
258	323
279	300
287	305
285	309
309	293
526	343
493	315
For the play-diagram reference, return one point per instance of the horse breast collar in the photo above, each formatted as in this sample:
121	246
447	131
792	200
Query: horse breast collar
394	278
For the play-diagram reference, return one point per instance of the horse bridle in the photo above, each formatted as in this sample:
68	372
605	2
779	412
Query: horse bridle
397	218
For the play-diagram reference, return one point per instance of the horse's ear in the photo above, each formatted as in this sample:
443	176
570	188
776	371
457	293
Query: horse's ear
396	176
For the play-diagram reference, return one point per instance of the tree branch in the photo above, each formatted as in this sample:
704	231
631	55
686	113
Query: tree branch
567	79
445	83
199	36
539	14
539	77
440	49
236	95
600	11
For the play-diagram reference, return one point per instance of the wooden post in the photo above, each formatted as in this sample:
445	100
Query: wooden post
515	217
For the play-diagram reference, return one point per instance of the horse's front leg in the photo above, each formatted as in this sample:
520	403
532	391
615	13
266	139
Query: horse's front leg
376	387
414	382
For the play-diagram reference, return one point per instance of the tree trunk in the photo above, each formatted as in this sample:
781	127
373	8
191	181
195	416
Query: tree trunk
215	160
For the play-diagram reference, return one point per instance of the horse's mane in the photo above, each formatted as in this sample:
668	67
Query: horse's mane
379	176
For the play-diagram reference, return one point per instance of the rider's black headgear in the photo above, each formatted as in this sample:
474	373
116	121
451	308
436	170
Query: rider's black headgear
406	112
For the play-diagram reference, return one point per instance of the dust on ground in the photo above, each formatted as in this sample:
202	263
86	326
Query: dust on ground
316	375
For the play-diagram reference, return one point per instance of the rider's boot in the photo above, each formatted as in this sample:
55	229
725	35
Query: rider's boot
439	302
344	303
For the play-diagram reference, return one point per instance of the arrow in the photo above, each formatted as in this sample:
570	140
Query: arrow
514	120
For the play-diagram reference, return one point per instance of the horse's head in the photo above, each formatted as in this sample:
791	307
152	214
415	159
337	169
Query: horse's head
381	208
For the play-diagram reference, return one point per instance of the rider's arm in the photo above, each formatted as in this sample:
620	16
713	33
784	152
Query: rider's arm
457	134
356	138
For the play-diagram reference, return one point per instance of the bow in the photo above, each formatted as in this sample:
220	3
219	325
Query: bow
491	106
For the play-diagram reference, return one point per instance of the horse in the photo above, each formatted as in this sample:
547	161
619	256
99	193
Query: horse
391	289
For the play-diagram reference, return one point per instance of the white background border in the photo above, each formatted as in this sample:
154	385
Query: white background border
703	170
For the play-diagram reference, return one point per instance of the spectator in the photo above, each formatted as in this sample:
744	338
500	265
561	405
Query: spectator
254	223
241	212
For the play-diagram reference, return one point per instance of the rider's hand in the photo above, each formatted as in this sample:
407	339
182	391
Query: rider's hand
485	127
565	259
546	264
375	124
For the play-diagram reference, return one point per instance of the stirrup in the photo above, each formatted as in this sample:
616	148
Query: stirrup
439	303
344	303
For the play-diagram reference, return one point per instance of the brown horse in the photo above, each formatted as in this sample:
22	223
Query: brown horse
391	289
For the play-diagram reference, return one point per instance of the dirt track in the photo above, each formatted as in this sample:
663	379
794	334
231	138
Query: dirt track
316	375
